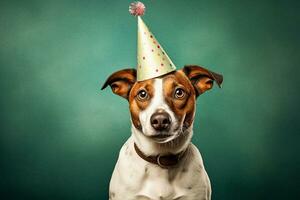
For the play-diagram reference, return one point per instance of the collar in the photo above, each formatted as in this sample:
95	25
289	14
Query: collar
164	161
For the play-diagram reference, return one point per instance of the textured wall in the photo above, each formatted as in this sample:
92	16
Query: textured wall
60	135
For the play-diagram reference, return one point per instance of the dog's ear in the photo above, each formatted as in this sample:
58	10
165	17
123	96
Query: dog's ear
201	78
121	82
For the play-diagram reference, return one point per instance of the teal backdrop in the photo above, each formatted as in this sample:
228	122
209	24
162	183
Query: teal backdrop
60	134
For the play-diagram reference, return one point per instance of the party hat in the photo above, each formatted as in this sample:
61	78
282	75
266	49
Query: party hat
152	60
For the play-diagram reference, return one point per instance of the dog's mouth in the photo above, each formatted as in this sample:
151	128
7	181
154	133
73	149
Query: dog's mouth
163	138
160	136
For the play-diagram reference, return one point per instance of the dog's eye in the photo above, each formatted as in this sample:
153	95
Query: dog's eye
142	95
179	93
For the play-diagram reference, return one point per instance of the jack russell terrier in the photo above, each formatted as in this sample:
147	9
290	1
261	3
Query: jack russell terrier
158	161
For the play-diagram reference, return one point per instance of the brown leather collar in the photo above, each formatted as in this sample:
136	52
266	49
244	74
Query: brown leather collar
164	161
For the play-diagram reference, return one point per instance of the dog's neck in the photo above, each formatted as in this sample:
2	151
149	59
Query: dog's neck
152	148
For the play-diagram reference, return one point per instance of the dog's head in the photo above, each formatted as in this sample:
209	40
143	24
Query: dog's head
163	108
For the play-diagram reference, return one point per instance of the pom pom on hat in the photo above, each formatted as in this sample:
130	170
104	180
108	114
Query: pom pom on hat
137	8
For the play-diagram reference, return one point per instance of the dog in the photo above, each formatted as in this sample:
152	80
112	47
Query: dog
158	161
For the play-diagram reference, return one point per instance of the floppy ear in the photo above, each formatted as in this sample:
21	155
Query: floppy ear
121	82
201	78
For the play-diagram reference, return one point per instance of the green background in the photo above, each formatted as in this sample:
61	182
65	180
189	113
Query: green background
60	135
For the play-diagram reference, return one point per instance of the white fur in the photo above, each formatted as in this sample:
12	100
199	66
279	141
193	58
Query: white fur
136	179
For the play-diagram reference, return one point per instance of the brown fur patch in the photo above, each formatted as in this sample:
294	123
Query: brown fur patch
135	105
183	108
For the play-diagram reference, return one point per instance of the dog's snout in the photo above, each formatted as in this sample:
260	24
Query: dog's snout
160	121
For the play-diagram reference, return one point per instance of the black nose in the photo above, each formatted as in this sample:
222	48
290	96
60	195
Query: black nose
160	121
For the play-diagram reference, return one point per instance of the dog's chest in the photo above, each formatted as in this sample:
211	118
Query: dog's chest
137	179
147	181
156	185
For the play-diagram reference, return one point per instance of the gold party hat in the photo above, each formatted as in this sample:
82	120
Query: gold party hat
152	60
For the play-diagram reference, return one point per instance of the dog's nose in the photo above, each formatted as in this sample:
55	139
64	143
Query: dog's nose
160	121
